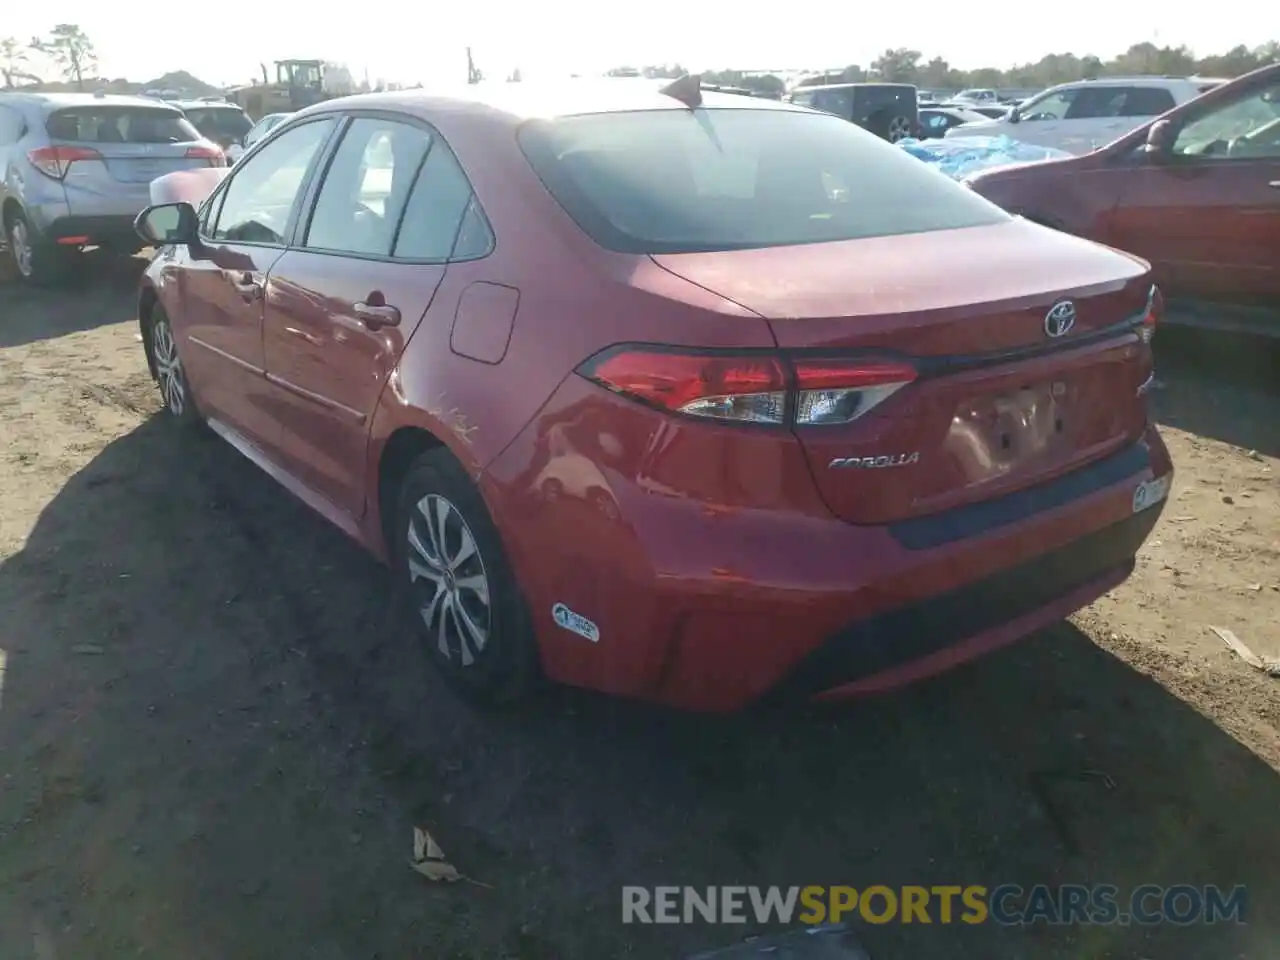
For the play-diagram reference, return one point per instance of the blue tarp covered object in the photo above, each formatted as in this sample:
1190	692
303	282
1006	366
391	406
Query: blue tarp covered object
960	156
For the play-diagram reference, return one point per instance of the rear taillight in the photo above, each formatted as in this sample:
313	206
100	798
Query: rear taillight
215	156
838	391
56	161
1153	315
749	388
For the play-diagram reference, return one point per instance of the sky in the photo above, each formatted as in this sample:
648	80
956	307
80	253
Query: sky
411	43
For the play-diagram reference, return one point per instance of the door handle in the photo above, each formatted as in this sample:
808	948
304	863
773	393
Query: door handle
249	286
1274	184
377	315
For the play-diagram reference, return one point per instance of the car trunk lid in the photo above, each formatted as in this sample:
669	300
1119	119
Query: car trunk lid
996	403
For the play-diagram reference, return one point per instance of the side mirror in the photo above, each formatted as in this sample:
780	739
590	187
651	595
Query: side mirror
1160	138
165	223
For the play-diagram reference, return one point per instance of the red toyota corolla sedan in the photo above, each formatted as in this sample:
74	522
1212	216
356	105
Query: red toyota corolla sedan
695	398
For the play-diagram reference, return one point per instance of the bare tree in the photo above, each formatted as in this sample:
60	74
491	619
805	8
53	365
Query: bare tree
70	48
13	62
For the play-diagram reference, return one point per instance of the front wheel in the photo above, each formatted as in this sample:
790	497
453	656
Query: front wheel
170	375
463	597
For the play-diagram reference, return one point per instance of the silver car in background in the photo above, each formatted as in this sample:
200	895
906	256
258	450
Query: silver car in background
76	169
258	131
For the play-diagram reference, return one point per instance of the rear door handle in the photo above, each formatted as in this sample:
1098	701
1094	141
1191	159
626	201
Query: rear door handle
377	315
249	286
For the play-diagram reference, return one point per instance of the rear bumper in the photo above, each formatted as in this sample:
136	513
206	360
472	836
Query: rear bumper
903	645
112	230
712	607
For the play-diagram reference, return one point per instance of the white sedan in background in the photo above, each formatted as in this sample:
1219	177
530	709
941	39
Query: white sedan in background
256	133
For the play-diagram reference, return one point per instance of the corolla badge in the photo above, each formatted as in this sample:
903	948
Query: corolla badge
1060	318
875	463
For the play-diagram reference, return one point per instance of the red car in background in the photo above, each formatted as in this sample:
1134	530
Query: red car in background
662	393
1195	192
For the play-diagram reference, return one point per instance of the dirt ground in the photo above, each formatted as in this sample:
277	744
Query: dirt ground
215	740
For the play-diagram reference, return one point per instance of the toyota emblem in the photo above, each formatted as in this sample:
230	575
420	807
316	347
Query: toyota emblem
1060	318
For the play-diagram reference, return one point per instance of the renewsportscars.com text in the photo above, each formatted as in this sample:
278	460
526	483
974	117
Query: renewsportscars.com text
1005	904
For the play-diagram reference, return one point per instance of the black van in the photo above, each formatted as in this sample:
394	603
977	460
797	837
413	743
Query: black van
889	110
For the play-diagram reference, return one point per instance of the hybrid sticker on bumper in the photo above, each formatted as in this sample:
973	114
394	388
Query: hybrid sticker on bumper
575	623
1150	493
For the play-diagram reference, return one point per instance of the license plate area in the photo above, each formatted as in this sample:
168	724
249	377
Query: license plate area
1022	424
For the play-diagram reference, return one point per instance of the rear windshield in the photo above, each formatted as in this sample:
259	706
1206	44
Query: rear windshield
215	121
678	181
120	125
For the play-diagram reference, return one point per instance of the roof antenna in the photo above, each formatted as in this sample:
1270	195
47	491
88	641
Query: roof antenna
686	89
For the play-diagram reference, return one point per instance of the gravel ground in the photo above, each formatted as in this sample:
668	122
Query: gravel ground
215	740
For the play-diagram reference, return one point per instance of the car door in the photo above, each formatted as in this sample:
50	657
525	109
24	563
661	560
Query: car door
1092	119
1039	122
342	302
245	225
1207	216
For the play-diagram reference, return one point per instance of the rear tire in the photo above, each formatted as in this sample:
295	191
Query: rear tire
899	128
35	260
459	587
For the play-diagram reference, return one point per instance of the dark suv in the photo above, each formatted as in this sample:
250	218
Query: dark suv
889	110
223	123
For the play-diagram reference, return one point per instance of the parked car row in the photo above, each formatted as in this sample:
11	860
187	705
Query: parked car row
1195	192
1082	116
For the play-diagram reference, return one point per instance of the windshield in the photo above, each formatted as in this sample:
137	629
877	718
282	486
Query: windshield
107	124
672	181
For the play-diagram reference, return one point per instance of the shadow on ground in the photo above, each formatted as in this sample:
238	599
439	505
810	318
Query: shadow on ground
1222	386
102	291
217	740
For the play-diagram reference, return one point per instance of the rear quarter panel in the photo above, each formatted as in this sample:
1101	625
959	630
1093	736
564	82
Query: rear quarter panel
575	299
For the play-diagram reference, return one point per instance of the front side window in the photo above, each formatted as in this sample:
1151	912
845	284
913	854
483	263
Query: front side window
364	191
1246	128
1093	103
670	181
260	195
1052	105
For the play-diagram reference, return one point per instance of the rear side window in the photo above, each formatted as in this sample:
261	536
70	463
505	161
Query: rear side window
442	218
836	102
674	181
11	126
1146	102
107	124
364	190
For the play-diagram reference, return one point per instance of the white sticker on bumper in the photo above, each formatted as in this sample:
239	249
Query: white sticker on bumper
575	623
1148	494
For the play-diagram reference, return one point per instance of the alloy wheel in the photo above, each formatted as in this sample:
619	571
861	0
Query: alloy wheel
20	245
449	580
899	127
173	386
